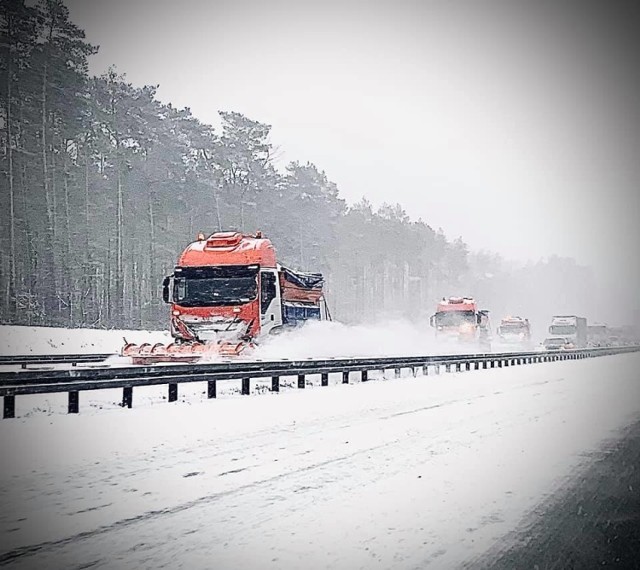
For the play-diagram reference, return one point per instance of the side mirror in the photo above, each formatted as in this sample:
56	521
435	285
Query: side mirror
165	288
432	320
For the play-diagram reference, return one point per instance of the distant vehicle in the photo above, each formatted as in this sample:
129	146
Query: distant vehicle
515	330
557	343
458	318
624	335
599	335
570	327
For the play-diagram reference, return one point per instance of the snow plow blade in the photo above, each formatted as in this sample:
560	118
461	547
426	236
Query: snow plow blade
147	353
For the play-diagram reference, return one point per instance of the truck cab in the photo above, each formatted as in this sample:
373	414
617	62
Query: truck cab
459	319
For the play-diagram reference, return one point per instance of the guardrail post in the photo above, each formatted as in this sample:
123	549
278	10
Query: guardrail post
425	370
476	365
74	403
345	376
301	382
447	367
275	383
458	366
485	364
364	377
467	365
127	396
9	407
437	368
397	373
246	386
324	379
211	389
173	392
500	364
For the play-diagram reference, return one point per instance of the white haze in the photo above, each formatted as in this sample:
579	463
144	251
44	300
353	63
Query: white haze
332	339
313	340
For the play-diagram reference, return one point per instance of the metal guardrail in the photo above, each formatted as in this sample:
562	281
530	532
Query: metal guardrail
76	380
25	359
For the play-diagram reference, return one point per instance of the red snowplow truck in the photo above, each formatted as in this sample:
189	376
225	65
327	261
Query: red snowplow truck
226	293
459	319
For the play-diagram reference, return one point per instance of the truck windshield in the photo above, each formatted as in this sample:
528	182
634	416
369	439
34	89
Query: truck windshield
454	318
562	329
215	286
513	328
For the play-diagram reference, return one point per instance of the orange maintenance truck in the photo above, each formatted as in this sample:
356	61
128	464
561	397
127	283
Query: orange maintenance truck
458	318
227	292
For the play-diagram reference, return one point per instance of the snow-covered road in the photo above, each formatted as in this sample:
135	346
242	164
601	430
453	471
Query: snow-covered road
409	473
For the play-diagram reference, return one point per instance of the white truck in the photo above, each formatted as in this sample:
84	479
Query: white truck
571	327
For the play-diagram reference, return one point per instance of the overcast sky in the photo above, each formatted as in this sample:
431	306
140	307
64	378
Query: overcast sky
514	126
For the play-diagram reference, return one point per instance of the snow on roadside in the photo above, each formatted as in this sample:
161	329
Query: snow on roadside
337	340
53	340
404	474
314	340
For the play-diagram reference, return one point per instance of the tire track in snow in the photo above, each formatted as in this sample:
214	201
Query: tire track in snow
49	546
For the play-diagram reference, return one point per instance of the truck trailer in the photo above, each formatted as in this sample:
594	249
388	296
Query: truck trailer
571	327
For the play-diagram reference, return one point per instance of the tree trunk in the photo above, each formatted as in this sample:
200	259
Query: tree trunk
217	203
11	300
120	277
148	293
48	276
69	276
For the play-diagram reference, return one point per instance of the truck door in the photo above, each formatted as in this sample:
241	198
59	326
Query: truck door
270	302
